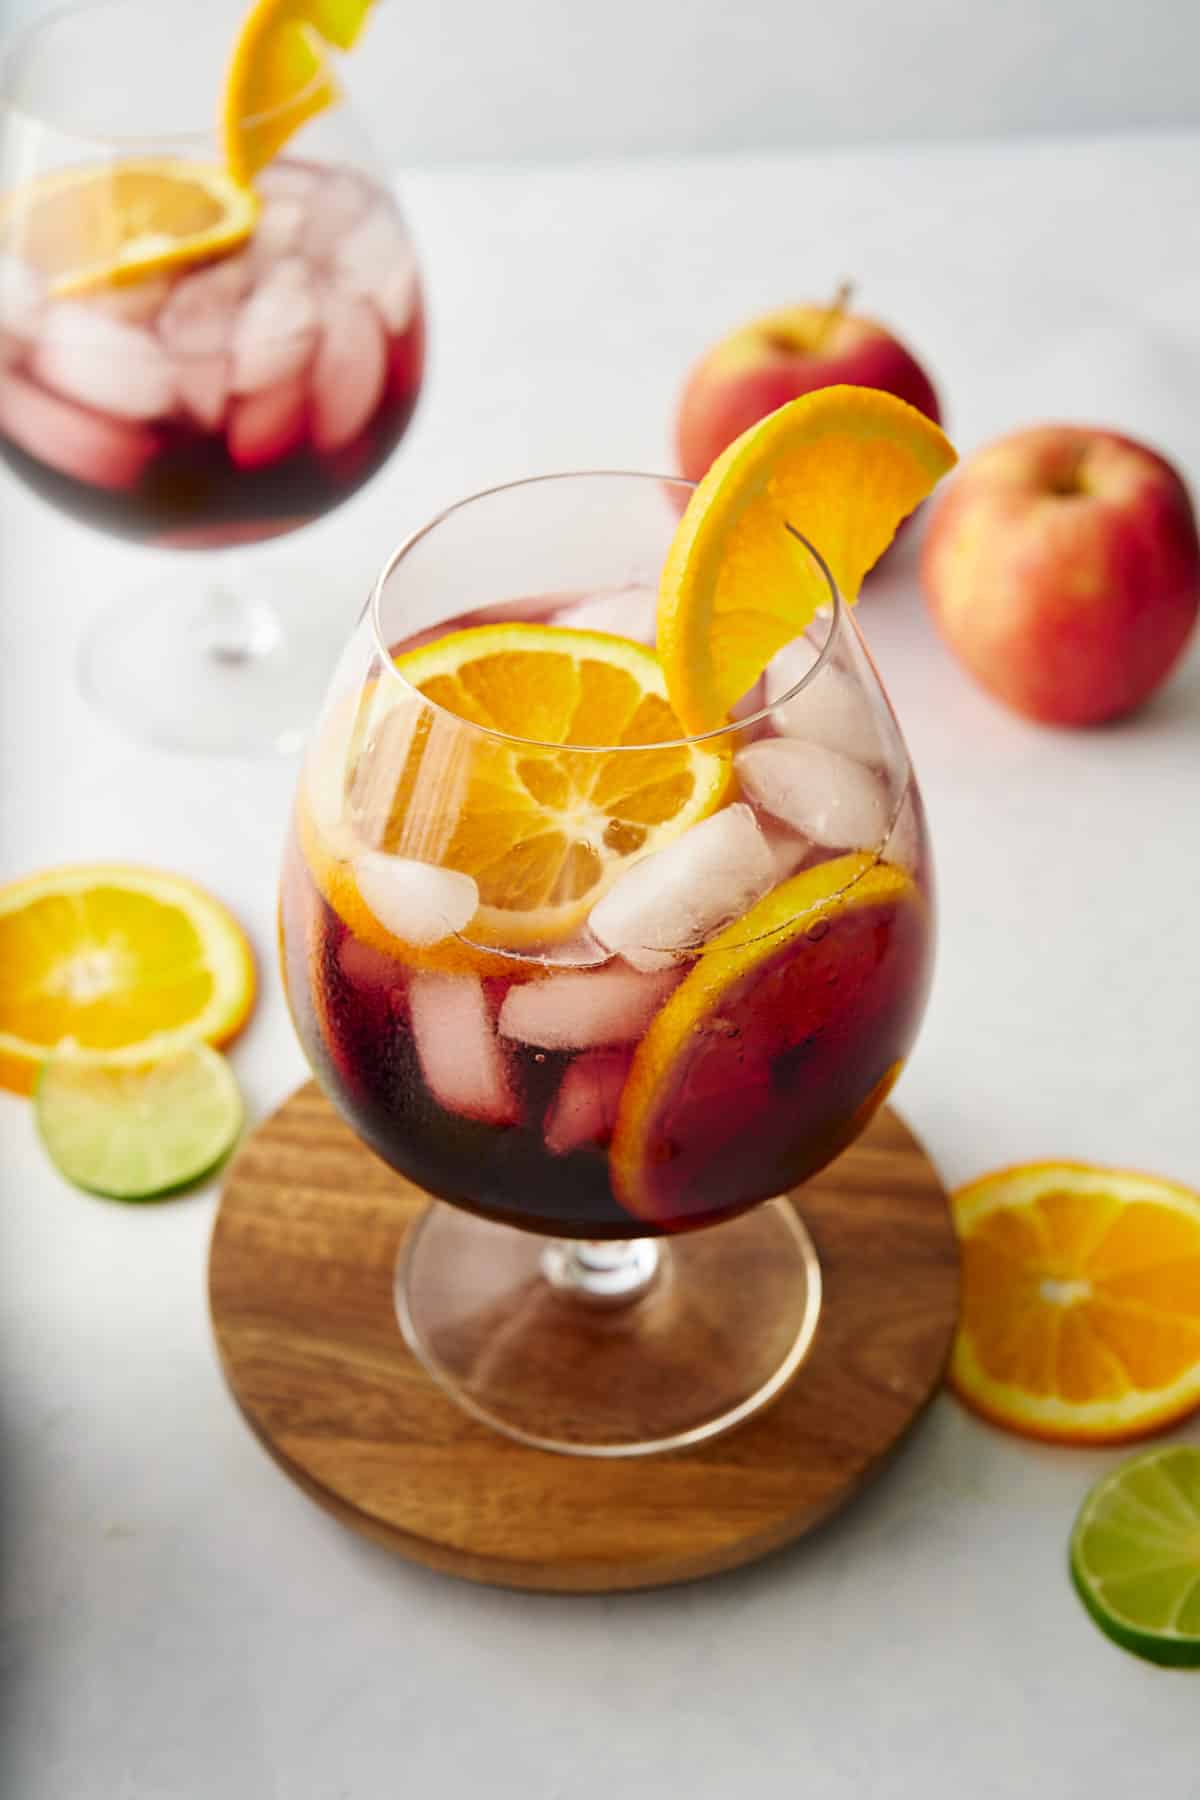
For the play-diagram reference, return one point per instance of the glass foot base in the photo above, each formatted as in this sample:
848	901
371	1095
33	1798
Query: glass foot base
712	1328
197	665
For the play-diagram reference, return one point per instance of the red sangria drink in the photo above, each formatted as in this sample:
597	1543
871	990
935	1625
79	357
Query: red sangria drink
579	973
211	334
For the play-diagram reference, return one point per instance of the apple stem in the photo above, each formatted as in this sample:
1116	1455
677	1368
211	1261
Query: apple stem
841	300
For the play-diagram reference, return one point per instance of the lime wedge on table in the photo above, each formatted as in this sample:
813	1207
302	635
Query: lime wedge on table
137	1133
1135	1555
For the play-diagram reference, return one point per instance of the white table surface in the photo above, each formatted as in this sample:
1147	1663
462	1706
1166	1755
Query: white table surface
179	1621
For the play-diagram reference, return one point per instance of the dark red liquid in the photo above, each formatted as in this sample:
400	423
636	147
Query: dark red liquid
803	1051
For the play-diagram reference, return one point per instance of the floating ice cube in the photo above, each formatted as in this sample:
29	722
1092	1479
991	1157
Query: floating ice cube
832	710
457	1048
677	898
202	383
199	314
137	303
627	612
263	428
103	363
107	453
376	262
275	332
415	901
788	849
584	1110
349	373
331	212
287	181
20	297
579	1009
830	798
278	229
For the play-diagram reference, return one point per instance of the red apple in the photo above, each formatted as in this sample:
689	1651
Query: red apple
780	356
1063	567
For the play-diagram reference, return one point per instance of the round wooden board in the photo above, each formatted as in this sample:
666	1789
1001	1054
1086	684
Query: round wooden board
300	1285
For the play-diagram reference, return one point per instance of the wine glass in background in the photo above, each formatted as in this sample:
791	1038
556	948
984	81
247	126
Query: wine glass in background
606	990
201	405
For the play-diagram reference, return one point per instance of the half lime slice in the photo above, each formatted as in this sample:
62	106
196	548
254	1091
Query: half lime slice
137	1133
1135	1555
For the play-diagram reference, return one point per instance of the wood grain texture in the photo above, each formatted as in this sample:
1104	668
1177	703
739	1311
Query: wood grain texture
300	1286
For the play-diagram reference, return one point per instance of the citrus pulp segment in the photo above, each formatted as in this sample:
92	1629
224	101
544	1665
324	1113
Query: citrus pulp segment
1081	1301
128	963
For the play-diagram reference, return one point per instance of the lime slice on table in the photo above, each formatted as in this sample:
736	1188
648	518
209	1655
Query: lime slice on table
138	1133
1135	1555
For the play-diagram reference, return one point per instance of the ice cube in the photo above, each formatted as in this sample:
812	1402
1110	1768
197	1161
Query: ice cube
676	899
264	428
904	841
415	901
830	798
20	297
349	373
457	1048
331	212
103	363
199	315
137	303
832	710
753	701
275	332
788	849
286	181
375	261
578	1009
627	612
278	229
202	383
107	453
584	1110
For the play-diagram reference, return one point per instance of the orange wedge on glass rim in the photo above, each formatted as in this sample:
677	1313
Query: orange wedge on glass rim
1081	1301
543	832
279	77
128	964
844	466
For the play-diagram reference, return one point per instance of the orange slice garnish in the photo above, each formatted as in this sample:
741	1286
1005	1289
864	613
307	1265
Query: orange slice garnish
1081	1301
129	963
278	76
774	1052
543	831
115	223
844	466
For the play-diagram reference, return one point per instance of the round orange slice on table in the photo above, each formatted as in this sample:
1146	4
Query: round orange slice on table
844	466
542	831
278	76
128	964
779	1045
1081	1301
111	224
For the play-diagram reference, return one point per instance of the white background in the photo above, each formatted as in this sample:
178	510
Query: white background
464	80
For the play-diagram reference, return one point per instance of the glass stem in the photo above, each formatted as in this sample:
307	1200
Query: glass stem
602	1273
235	625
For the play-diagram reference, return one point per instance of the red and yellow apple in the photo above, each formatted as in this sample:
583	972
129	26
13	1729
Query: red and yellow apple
780	356
1062	566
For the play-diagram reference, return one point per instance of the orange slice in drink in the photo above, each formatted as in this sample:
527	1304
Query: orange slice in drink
130	964
115	223
774	1052
844	466
543	831
278	76
1081	1301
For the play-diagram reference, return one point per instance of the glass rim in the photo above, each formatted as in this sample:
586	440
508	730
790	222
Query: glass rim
732	726
16	44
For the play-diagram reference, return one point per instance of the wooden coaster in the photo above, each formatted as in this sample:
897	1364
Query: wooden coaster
300	1285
